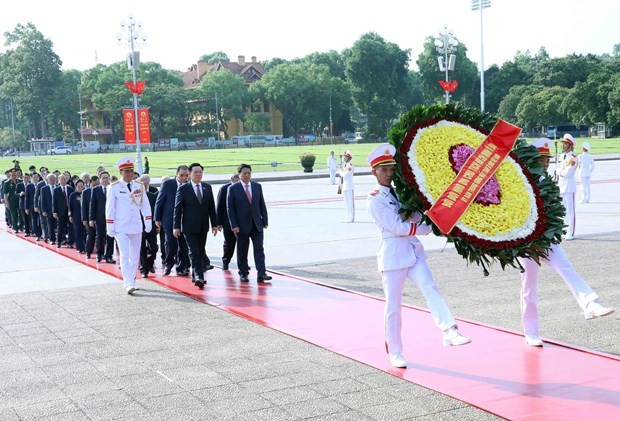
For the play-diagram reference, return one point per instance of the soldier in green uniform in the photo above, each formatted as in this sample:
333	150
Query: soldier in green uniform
11	199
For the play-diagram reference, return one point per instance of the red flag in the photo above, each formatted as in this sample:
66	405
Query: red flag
479	167
129	121
136	88
449	85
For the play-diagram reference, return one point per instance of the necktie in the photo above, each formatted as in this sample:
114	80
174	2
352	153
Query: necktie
247	192
129	187
199	193
104	191
64	192
393	193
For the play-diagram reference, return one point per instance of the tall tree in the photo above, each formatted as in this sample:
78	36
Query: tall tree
214	57
377	71
508	107
31	75
302	93
231	93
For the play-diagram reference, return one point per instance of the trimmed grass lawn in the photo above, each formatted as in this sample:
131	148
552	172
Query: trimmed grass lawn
225	161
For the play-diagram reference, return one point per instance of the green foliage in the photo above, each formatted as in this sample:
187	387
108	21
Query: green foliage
30	75
302	92
307	159
377	72
214	57
465	72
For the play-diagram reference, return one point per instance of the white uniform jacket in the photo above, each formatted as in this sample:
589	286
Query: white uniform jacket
565	170
332	163
586	165
123	206
347	176
398	247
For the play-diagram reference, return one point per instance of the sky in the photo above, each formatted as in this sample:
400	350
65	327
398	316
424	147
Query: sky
84	32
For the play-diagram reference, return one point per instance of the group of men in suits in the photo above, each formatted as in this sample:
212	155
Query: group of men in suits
184	209
240	213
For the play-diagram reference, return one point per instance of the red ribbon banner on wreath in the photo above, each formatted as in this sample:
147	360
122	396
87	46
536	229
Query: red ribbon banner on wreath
449	85
476	171
136	88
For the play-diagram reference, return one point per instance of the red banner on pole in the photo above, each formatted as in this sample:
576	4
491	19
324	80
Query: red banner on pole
129	120
144	125
477	170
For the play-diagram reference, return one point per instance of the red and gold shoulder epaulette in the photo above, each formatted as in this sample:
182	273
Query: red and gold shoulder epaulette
374	192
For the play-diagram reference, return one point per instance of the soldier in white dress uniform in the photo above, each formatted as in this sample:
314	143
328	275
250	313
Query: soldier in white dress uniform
558	261
585	169
565	173
126	206
401	256
332	166
347	186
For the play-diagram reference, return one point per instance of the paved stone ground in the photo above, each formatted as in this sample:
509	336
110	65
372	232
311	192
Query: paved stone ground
93	353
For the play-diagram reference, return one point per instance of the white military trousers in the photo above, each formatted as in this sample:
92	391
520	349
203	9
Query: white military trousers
559	262
129	247
349	202
332	175
585	189
568	200
393	284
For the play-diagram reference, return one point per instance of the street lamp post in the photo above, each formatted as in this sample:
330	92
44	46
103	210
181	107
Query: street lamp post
331	123
134	37
81	113
480	5
446	44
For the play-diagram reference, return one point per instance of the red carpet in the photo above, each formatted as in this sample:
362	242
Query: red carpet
497	372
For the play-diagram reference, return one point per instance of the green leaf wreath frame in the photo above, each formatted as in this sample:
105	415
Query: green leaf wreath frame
550	211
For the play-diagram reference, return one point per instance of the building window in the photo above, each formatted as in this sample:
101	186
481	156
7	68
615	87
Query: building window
266	107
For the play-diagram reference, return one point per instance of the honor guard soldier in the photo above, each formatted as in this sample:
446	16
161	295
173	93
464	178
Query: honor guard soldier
557	260
401	256
126	206
565	172
586	167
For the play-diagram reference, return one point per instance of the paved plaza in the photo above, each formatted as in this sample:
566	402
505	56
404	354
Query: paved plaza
73	346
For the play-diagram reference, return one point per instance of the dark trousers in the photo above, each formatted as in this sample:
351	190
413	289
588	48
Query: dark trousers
65	229
162	244
176	252
15	217
51	228
27	221
105	243
196	250
243	246
79	234
148	251
91	234
36	223
230	241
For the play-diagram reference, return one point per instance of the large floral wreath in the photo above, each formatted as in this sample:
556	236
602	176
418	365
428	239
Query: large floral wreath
519	211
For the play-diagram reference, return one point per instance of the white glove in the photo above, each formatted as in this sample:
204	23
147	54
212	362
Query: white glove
148	227
416	216
423	229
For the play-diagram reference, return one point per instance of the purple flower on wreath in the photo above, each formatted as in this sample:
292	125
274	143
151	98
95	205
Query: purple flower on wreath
490	193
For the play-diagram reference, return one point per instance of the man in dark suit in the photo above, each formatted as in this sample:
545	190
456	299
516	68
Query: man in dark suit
46	207
230	240
176	249
21	193
96	219
148	248
247	214
37	204
60	209
29	205
91	233
194	206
